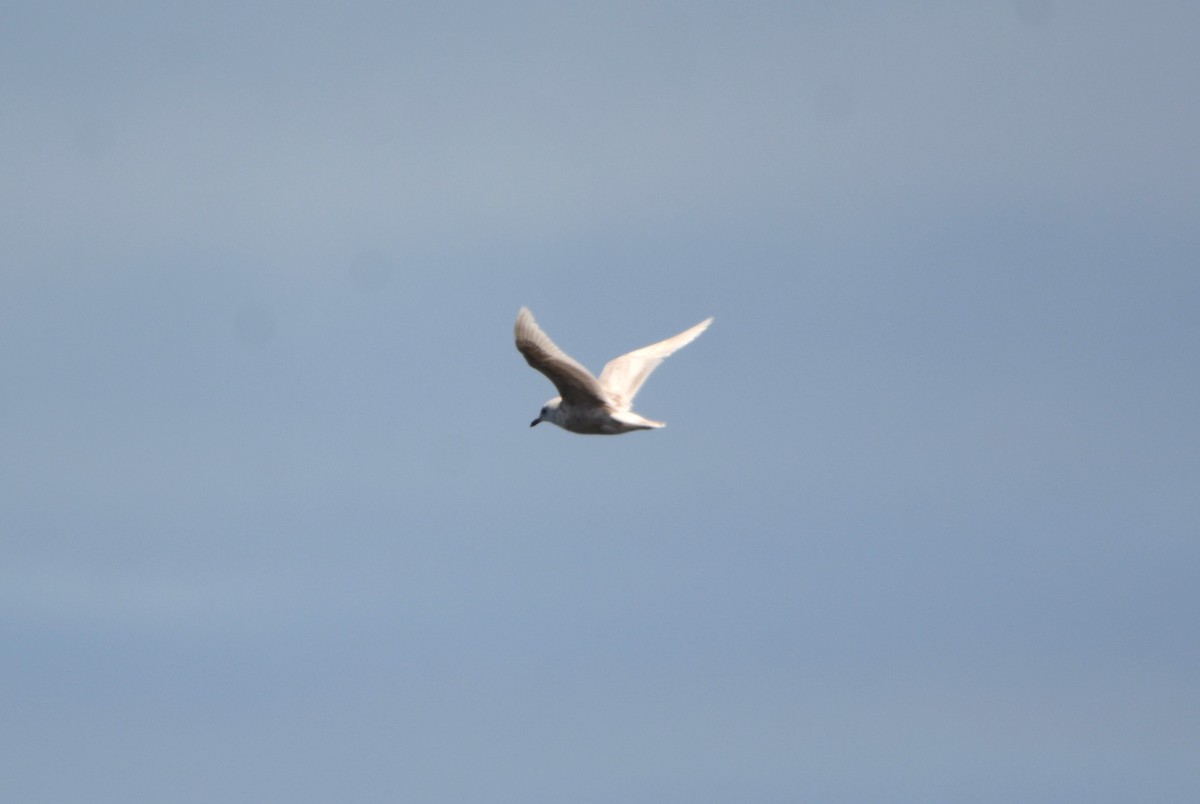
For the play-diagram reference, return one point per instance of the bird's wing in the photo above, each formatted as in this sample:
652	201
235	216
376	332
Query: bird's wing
575	384
624	375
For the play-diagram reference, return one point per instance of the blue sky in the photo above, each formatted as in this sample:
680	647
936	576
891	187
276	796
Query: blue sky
923	525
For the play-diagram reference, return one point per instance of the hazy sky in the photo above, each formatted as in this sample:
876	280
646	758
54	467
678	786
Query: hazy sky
924	525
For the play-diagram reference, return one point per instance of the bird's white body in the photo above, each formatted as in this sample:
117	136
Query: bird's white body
593	420
588	405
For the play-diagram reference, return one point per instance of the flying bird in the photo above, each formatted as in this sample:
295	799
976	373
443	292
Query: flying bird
588	405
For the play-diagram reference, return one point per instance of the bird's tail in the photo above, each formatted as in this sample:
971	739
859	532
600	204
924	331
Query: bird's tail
632	419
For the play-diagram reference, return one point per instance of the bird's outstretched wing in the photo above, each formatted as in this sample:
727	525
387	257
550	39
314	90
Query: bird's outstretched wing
624	375
575	384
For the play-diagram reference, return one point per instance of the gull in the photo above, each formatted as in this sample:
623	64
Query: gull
588	405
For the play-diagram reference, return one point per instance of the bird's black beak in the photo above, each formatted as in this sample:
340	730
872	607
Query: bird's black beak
535	421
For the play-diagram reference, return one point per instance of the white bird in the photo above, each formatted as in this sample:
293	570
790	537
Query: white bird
588	405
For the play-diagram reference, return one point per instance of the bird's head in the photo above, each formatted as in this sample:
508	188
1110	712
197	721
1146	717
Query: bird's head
549	412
